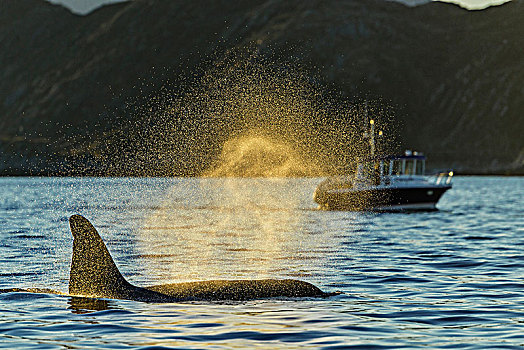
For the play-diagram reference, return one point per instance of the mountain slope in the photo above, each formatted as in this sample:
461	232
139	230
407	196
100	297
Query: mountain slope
453	77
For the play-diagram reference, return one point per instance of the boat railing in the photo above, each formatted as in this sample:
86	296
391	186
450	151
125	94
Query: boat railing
443	178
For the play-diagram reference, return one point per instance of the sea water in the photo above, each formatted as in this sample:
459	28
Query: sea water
453	278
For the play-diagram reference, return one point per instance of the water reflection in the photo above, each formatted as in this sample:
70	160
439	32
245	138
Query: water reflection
82	305
232	228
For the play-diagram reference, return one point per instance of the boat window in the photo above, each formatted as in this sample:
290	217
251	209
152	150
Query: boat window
409	167
397	167
420	167
386	168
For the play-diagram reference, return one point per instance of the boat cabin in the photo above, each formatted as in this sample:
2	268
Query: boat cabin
381	169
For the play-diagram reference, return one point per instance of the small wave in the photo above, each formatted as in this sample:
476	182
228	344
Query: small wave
403	279
293	337
456	264
204	325
18	274
19	294
495	285
456	320
366	329
23	236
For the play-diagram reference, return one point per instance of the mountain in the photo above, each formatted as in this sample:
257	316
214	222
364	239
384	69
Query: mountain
156	87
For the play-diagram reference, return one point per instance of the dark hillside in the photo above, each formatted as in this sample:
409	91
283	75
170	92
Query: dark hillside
73	87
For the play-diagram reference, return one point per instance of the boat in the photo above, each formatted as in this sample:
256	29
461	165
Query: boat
384	183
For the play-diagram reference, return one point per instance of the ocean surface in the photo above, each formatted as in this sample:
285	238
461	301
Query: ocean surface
452	278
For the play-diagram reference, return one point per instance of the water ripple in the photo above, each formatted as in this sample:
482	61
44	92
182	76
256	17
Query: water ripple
445	279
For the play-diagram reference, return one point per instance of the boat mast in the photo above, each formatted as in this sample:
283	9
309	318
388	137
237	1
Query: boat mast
372	137
371	134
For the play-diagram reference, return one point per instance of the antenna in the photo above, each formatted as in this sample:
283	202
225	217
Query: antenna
372	137
371	134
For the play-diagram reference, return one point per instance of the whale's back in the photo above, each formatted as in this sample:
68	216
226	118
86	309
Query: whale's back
239	289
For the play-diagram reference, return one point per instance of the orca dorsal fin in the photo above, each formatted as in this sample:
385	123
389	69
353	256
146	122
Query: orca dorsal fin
93	271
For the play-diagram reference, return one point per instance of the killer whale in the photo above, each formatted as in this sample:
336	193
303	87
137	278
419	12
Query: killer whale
95	274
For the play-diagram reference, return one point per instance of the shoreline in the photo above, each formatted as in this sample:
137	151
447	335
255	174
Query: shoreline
18	175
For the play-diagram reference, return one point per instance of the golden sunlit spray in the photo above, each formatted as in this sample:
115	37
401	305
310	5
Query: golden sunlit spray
246	119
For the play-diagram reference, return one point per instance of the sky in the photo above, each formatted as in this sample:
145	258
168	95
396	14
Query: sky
85	6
